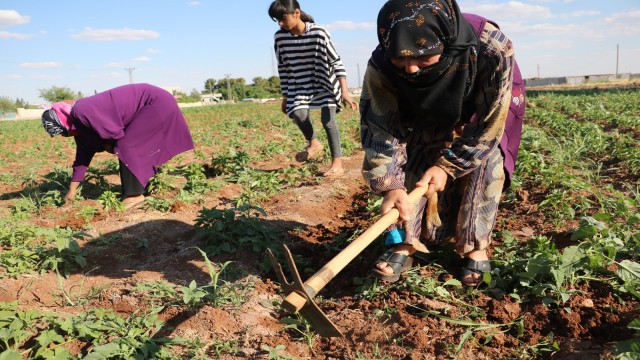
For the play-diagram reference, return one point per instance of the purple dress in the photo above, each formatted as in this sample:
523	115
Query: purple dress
144	121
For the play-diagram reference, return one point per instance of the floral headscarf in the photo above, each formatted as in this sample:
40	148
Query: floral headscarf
433	96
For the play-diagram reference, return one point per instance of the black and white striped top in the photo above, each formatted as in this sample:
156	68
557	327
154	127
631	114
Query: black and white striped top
309	68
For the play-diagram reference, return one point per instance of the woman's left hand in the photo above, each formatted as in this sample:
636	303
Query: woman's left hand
435	178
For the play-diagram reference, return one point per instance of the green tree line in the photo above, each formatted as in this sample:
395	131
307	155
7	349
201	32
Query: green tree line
230	88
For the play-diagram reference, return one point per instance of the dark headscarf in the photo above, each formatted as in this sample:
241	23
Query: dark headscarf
57	119
52	124
434	96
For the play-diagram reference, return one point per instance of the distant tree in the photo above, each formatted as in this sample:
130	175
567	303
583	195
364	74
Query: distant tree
261	82
55	93
20	103
210	86
6	104
274	86
260	89
257	92
195	94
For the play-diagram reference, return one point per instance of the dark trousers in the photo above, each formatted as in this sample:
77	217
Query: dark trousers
130	184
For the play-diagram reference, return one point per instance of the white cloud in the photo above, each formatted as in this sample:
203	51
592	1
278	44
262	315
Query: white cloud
46	77
511	9
111	75
141	59
11	77
9	35
12	18
349	25
193	3
584	13
115	65
621	24
115	34
153	51
41	65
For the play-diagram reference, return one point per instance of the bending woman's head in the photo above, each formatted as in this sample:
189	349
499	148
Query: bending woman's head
57	119
280	8
410	28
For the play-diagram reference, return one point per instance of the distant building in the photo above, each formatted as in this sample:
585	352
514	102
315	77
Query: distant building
173	90
211	98
579	80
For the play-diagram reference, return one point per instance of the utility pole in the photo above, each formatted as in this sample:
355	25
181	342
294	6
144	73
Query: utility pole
538	71
617	58
130	70
229	97
359	83
273	63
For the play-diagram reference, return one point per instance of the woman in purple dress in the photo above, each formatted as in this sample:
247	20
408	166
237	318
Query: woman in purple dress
140	123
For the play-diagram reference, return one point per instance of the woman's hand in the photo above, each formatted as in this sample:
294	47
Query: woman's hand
435	178
397	199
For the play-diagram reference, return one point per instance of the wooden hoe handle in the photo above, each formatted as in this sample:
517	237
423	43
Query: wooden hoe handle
294	301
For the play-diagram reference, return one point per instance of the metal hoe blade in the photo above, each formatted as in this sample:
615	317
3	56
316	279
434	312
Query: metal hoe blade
310	311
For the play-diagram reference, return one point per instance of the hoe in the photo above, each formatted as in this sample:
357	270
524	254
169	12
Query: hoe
300	294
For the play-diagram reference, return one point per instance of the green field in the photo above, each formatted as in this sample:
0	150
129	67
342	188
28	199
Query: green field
568	235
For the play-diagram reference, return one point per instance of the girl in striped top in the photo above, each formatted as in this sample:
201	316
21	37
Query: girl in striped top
311	76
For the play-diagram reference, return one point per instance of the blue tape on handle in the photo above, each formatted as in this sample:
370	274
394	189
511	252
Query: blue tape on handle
395	236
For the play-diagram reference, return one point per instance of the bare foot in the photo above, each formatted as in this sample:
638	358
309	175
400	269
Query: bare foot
132	201
310	152
333	173
336	169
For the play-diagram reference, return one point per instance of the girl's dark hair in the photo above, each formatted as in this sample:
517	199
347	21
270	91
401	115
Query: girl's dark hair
280	8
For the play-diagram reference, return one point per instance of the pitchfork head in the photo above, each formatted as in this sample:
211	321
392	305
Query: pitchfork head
310	311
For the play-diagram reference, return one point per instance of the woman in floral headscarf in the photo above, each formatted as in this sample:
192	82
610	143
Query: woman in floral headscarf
140	123
441	106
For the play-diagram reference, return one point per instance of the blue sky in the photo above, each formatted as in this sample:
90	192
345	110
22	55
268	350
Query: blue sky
87	45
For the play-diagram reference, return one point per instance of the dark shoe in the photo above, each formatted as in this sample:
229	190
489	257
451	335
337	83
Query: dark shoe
396	261
474	267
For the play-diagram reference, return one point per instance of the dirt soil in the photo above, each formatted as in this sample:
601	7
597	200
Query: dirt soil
308	219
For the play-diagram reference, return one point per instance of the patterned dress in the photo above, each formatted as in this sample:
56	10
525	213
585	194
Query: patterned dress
473	154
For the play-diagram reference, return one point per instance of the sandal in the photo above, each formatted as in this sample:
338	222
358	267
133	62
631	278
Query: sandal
474	267
396	261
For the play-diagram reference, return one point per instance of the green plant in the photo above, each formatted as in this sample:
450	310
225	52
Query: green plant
630	349
300	326
162	181
160	204
111	201
230	229
276	353
196	179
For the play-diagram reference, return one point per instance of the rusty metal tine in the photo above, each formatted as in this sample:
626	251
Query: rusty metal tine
286	285
293	270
